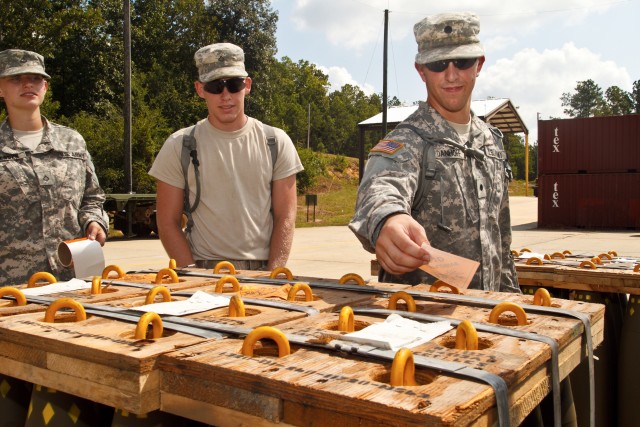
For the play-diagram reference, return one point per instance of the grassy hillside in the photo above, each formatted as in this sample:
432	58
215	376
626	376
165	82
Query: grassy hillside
336	195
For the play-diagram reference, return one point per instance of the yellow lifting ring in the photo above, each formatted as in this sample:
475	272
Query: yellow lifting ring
566	252
346	320
605	256
613	253
266	332
596	260
559	255
109	268
351	276
236	307
50	314
439	284
172	264
281	270
40	275
166	272
515	253
143	325
636	269
96	285
403	369
466	336
231	269
521	316
542	297
588	264
151	295
227	279
535	261
308	295
525	250
20	299
402	295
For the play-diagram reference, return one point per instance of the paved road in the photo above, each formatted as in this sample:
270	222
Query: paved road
333	251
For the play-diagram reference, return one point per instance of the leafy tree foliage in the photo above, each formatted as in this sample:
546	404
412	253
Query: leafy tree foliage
515	148
587	100
635	97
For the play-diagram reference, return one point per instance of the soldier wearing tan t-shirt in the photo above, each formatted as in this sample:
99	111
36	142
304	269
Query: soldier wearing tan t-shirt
247	207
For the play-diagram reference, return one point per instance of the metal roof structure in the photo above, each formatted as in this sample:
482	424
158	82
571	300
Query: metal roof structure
499	112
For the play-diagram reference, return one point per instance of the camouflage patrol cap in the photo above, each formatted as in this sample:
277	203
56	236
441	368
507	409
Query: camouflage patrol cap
220	60
448	36
16	61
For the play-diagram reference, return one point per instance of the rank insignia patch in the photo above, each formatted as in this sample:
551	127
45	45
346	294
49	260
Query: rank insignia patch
387	146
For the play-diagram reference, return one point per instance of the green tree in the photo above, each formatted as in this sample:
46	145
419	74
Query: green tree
635	97
619	102
585	101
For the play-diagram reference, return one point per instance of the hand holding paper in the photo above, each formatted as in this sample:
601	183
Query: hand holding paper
452	269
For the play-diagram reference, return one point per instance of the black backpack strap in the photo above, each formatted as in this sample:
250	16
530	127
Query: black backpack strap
270	133
427	167
190	153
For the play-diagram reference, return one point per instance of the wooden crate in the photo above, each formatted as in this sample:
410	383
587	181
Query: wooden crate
213	383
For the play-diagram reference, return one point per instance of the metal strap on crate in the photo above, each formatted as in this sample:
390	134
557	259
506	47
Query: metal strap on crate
499	330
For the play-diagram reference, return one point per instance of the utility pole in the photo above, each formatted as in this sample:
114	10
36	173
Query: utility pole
308	125
384	73
128	172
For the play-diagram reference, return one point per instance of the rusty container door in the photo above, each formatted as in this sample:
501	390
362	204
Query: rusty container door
608	200
589	145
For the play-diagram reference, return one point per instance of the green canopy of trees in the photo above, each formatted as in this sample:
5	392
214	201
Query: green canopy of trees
588	100
83	45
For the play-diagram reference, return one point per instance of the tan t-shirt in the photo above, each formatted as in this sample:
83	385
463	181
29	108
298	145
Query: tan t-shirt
233	219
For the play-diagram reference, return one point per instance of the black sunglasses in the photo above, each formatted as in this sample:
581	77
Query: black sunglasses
233	85
460	64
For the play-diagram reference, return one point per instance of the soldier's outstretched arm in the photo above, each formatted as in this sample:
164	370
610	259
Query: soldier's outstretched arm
399	246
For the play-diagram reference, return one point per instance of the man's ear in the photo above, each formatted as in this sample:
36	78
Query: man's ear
480	64
199	89
420	70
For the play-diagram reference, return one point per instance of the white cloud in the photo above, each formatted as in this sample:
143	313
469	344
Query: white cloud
355	23
340	76
535	80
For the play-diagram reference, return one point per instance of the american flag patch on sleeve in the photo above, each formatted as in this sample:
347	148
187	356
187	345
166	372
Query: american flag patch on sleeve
387	146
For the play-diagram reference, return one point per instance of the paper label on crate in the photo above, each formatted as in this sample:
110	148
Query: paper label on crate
527	255
200	301
397	332
58	287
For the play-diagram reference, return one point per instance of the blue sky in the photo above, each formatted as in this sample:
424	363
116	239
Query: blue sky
535	50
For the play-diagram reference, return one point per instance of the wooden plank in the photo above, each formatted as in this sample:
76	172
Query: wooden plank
601	279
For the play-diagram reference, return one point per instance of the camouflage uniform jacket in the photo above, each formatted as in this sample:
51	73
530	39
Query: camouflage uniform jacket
464	206
46	196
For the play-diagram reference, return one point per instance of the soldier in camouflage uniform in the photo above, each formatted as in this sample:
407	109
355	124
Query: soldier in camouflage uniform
49	191
441	177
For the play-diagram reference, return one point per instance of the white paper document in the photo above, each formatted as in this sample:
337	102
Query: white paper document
397	332
200	301
58	287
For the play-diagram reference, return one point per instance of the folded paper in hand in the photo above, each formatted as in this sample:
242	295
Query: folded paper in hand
452	269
